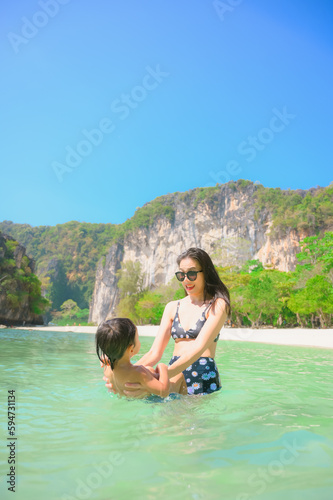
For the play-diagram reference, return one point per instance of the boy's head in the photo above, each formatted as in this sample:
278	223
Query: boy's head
113	337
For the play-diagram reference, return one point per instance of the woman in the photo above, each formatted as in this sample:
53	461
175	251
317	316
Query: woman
194	322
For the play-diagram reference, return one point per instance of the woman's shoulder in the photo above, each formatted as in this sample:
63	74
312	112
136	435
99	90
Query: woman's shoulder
218	305
171	307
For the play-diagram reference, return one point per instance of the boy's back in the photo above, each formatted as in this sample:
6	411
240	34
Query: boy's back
134	374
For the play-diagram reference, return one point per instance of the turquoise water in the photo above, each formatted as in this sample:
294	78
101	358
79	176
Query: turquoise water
268	434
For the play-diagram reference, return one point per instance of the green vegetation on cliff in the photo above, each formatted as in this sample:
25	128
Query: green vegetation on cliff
19	286
301	210
147	215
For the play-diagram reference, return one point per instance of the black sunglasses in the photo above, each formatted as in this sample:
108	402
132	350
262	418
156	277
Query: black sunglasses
191	275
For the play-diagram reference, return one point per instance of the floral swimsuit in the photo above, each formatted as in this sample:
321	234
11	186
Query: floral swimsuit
202	376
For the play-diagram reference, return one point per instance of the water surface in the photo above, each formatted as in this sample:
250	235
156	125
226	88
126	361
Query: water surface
267	435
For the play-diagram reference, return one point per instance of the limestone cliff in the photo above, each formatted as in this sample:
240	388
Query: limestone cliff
105	295
226	224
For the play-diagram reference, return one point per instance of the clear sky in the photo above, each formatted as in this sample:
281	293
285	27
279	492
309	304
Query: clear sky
106	104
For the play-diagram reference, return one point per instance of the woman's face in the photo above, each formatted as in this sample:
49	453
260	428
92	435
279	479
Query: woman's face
192	287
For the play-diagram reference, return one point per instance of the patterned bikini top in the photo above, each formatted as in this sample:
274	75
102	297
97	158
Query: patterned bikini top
178	332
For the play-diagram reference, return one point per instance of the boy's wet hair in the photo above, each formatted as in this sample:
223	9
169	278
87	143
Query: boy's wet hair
113	337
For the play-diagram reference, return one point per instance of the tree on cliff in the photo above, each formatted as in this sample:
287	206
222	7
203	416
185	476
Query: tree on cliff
259	298
130	278
130	285
20	289
151	304
317	250
70	308
313	293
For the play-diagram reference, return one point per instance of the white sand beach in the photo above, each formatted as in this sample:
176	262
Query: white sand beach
291	336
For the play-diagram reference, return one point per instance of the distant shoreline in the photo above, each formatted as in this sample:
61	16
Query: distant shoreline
301	337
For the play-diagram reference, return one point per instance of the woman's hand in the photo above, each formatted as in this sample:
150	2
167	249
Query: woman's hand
107	375
135	390
158	369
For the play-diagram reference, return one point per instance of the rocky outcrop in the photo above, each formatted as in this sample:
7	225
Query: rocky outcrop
105	295
14	312
21	315
226	225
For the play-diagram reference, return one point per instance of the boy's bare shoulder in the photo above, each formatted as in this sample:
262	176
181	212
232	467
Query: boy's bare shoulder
145	372
137	370
130	374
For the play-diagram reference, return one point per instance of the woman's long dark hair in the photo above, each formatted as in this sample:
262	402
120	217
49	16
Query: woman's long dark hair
113	337
214	286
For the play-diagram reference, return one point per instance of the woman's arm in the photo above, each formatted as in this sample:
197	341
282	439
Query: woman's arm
107	374
152	385
162	338
215	321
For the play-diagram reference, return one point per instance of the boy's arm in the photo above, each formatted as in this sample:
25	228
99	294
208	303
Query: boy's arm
159	387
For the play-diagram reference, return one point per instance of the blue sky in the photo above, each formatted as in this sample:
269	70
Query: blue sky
107	105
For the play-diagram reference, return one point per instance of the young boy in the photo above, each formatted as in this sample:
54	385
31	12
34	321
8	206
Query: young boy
117	340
